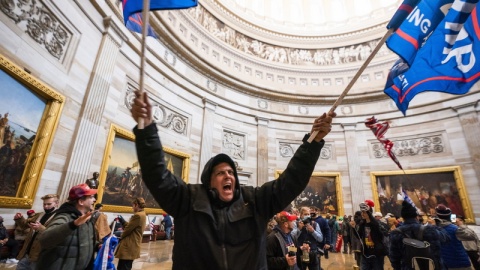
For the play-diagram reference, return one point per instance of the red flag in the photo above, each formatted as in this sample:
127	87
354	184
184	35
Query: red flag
379	129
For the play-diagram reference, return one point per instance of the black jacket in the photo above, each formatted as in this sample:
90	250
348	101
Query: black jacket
220	236
276	251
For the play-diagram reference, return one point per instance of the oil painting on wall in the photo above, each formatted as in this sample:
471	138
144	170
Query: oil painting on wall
427	188
323	192
122	181
29	114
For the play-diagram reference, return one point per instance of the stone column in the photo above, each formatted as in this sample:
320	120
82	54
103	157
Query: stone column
207	133
93	106
471	129
262	150
354	170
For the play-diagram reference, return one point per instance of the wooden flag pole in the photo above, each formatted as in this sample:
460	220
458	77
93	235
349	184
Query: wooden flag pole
354	79
145	14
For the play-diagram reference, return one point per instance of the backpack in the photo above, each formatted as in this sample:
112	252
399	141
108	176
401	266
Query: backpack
417	254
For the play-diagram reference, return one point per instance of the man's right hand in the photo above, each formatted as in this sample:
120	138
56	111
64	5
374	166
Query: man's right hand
141	108
291	260
34	225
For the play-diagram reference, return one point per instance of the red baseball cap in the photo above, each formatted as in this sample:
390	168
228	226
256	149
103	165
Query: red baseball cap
289	216
30	212
370	203
79	191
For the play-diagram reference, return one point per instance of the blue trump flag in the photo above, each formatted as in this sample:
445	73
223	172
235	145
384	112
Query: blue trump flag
134	6
402	12
447	62
416	28
105	256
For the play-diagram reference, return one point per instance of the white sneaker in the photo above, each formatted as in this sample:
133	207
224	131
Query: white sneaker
12	261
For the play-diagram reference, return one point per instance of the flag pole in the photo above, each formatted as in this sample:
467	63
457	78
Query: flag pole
145	14
357	75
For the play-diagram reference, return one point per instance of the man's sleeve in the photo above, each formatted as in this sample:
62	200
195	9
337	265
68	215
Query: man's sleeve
465	234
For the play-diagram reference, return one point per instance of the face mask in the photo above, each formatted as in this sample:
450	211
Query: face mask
48	211
306	216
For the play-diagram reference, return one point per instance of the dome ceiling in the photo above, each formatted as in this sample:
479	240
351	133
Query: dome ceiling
310	17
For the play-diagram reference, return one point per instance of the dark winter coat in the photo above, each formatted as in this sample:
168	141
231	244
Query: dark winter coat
276	251
412	226
212	235
64	245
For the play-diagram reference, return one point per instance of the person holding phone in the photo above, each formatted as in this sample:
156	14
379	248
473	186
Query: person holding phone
30	251
453	253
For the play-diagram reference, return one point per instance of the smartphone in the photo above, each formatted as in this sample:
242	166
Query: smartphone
453	218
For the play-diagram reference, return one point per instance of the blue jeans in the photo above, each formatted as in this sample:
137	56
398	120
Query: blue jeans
373	263
26	264
168	231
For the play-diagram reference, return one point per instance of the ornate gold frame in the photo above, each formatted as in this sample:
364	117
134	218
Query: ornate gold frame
123	133
459	182
338	186
43	141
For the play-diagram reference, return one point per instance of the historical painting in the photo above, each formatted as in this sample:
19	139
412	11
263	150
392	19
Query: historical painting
324	191
121	180
29	114
426	187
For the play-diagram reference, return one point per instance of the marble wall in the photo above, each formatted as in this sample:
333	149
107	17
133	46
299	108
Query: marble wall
203	109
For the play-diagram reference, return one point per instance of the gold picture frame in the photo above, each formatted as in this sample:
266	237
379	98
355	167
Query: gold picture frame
29	117
426	188
117	189
328	187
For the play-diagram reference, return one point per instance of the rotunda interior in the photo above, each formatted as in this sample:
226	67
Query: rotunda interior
241	77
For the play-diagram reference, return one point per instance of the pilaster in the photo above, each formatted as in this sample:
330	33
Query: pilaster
207	133
262	150
354	170
471	128
92	111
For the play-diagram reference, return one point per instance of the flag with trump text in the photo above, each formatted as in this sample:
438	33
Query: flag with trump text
105	256
417	27
402	12
447	62
379	130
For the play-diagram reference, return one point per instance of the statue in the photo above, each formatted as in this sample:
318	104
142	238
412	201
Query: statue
93	182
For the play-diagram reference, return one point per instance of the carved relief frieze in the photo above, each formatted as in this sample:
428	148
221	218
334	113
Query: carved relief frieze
424	145
293	56
287	149
36	19
162	115
234	144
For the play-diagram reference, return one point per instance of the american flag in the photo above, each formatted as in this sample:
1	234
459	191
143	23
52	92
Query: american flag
379	129
152	223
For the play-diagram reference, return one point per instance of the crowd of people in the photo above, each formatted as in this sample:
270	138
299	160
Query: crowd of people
371	237
220	224
69	235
